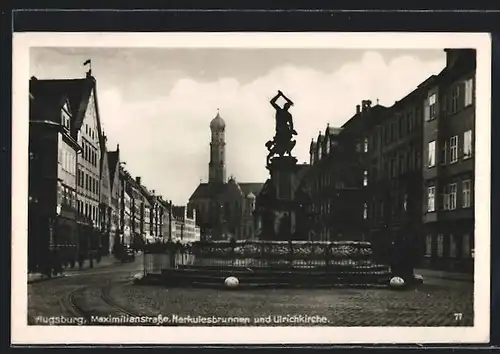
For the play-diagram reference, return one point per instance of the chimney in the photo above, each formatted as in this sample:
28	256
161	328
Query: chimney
358	109
451	56
366	104
138	180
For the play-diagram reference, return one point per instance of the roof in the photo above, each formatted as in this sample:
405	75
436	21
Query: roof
377	109
332	130
206	190
253	188
54	93
232	189
149	197
213	190
217	122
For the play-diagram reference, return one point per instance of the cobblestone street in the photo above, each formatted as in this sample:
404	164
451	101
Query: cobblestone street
433	304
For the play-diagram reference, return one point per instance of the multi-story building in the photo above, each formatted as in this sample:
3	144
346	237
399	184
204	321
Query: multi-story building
448	171
392	175
85	128
168	222
53	156
115	192
338	178
136	210
89	172
105	197
144	203
368	184
133	209
153	215
157	219
186	229
126	208
415	156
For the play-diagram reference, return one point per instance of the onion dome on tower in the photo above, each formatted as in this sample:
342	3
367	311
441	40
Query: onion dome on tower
217	123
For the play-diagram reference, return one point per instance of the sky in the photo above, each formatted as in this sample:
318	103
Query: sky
157	103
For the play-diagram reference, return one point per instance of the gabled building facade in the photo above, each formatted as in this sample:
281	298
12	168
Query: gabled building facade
89	169
53	156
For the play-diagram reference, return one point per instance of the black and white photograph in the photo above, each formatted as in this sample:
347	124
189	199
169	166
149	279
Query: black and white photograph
251	188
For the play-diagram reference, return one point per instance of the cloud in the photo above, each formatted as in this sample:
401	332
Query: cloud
165	137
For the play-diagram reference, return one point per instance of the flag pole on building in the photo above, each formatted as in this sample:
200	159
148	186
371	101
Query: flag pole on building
89	63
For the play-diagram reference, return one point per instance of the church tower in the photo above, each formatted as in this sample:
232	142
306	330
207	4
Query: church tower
217	165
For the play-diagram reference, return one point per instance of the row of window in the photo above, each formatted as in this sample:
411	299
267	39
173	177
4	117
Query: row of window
66	196
328	145
390	132
90	153
67	159
404	124
459	96
87	181
90	132
398	163
450	150
324	181
458	246
449	196
376	209
88	210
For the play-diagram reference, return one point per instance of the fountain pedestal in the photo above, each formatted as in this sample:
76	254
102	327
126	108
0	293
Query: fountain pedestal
277	207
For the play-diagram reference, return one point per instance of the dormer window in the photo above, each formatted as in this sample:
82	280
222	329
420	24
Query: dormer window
65	117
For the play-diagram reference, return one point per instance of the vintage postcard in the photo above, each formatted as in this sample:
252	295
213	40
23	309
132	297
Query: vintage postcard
251	188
